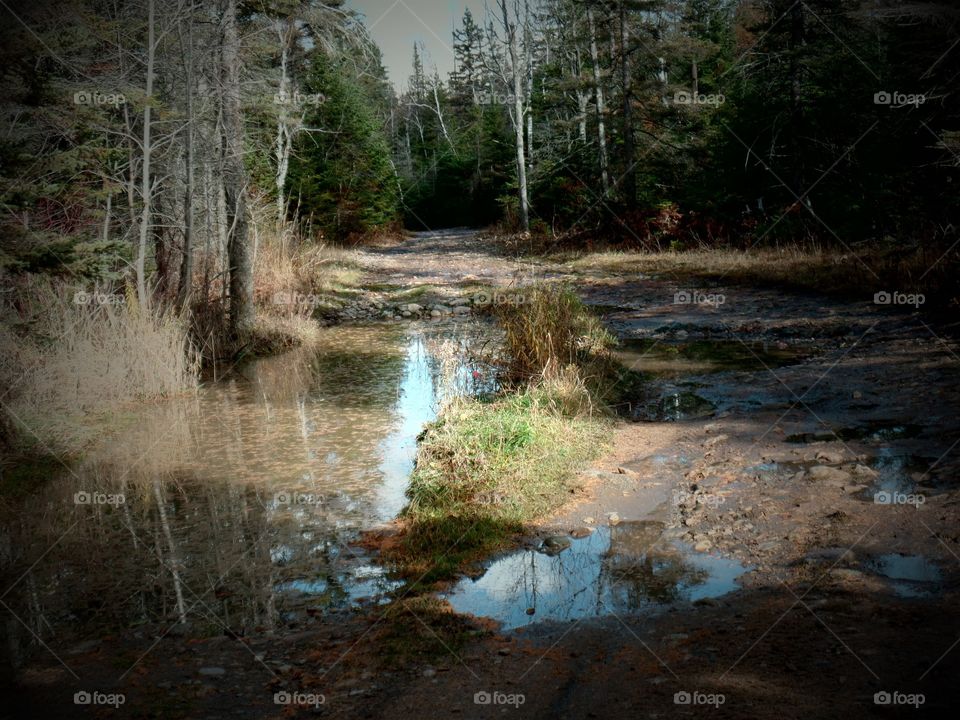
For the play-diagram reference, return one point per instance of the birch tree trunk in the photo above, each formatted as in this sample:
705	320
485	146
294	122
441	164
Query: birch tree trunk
517	115
601	110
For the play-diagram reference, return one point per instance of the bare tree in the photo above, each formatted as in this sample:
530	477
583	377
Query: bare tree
235	178
512	74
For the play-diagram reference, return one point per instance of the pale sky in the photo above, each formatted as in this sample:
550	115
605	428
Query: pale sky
396	24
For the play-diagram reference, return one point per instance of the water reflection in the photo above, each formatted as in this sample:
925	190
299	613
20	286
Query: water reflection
239	503
625	568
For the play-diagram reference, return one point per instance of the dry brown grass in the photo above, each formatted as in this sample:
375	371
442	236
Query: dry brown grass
922	270
294	279
81	359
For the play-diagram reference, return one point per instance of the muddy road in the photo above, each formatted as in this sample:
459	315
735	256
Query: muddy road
772	534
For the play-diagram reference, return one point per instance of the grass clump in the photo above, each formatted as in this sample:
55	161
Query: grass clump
80	354
487	467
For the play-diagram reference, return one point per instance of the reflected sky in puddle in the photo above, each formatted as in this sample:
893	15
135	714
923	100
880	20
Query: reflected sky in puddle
910	575
626	568
241	501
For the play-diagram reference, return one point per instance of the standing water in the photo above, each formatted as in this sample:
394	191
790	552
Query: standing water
233	509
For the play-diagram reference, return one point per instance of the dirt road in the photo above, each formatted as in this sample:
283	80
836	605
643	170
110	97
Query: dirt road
809	440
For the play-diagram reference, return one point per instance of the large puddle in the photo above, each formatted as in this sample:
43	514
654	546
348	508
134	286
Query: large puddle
239	503
672	359
622	569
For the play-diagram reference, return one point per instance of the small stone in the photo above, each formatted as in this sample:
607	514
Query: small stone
703	546
589	520
613	519
429	672
826	474
531	611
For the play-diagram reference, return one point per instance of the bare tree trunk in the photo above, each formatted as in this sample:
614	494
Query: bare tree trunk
145	188
601	110
512	41
108	214
630	179
284	143
235	180
583	98
186	261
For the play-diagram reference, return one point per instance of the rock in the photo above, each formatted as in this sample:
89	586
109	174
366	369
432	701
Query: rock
862	471
715	440
414	308
703	546
554	545
613	519
829	475
212	671
406	314
429	672
581	532
436	314
461	310
458	302
531	611
831	456
589	520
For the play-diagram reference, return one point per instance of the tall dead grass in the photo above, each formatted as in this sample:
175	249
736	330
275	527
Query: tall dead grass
85	353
